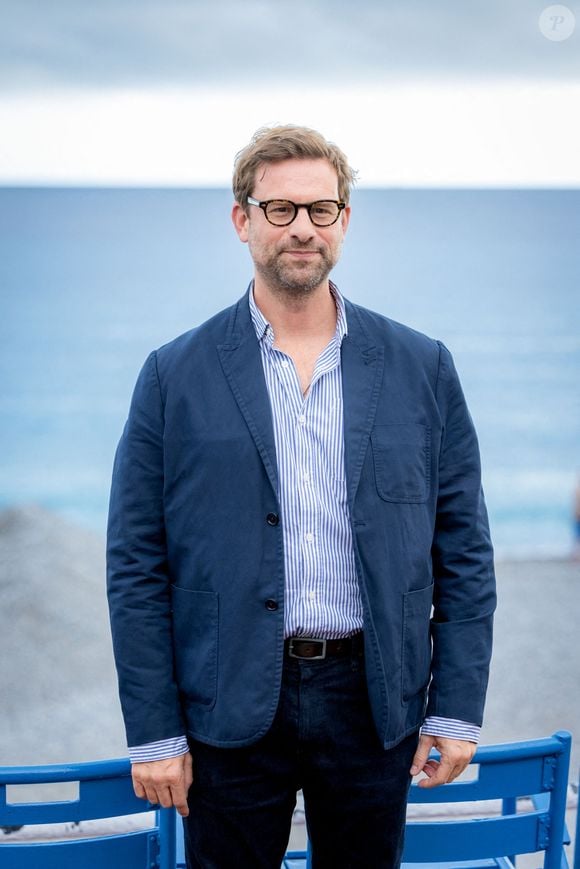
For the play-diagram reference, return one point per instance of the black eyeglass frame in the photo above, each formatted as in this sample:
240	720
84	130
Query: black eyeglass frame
307	205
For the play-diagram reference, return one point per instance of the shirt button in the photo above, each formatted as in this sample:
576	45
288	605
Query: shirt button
309	537
271	605
302	419
272	519
284	363
306	476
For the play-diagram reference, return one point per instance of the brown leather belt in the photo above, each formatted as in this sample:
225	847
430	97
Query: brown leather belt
316	648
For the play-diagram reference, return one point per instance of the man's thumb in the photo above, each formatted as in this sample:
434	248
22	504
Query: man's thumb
421	755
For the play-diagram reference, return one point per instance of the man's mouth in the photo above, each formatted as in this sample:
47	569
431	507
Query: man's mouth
297	252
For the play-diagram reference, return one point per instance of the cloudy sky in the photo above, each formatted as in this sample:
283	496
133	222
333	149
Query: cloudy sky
417	92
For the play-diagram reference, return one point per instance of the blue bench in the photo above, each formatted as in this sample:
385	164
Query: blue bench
537	769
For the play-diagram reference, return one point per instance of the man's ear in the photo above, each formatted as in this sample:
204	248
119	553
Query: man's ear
240	220
345	218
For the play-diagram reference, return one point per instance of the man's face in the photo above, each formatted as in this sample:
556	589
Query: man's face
292	260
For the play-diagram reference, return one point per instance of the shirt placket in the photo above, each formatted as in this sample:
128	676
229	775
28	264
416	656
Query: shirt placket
309	511
299	477
312	551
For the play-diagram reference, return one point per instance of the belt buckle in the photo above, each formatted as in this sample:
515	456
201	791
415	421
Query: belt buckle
320	640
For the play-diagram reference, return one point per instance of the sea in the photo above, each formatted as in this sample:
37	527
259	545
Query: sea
92	279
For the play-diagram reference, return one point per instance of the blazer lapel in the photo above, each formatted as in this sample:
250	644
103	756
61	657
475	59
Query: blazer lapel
362	374
242	366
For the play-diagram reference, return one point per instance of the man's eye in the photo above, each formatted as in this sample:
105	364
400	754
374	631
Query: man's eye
323	209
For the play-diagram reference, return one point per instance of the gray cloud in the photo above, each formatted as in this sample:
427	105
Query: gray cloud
149	42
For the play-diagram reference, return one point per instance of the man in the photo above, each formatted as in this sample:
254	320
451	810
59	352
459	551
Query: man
297	486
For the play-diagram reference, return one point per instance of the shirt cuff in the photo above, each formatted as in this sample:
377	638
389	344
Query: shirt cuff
161	750
451	728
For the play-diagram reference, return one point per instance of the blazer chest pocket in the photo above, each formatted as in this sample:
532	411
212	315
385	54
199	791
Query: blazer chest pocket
401	456
195	643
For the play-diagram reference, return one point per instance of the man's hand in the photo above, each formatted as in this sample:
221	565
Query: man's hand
455	756
165	782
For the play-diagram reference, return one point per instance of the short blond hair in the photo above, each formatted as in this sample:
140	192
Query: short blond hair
274	144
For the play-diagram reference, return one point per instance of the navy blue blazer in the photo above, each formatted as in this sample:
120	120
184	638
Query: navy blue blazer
196	568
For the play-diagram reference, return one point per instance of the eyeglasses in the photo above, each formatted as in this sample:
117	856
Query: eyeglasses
281	212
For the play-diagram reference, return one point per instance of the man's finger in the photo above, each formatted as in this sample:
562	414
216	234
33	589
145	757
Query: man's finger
440	774
151	795
139	789
165	797
459	768
179	800
180	789
431	767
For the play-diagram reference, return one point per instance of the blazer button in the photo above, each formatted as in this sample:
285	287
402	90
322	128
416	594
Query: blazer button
271	605
272	518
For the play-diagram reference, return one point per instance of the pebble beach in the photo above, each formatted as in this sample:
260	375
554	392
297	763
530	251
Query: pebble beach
58	680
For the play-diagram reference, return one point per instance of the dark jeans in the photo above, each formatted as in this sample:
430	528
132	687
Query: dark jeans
322	740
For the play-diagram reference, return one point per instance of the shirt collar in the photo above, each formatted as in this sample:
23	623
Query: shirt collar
264	329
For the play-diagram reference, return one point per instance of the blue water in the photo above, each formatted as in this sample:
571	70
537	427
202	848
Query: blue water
91	280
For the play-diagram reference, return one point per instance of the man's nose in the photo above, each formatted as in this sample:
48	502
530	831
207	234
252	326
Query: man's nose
302	227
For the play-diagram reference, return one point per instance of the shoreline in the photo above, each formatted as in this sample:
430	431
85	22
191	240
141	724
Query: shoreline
11	512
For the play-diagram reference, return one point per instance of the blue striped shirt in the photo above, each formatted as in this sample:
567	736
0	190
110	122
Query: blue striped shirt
322	596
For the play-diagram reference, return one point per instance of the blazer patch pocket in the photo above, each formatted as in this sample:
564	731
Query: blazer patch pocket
195	643
416	645
401	455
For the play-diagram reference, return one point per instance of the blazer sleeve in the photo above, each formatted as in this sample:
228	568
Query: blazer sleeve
464	592
138	582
